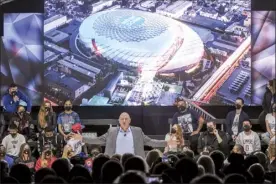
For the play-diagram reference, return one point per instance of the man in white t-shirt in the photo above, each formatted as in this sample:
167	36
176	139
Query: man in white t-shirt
249	139
270	120
13	141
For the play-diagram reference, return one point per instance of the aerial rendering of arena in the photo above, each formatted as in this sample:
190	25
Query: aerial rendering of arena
137	38
146	52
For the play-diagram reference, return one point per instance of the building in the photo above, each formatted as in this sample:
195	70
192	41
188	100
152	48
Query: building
175	10
56	36
65	86
100	5
54	22
209	13
111	86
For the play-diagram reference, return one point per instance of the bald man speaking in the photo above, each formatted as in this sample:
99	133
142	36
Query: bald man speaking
125	139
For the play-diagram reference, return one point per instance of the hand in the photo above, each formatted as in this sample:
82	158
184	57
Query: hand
15	98
44	163
234	137
28	112
215	131
194	133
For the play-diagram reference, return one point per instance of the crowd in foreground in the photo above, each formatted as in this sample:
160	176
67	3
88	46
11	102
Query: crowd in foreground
181	167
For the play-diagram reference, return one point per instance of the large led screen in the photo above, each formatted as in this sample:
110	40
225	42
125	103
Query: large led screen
134	52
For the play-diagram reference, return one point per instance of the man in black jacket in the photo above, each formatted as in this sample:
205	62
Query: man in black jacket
212	139
234	120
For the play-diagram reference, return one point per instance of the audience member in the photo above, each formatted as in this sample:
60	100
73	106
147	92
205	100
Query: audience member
238	149
270	125
236	164
201	170
62	168
172	159
4	157
189	153
67	119
53	180
207	163
79	170
234	120
173	175
212	139
46	159
97	168
23	121
110	171
21	173
258	173
46	117
250	160
190	121
42	173
160	168
13	141
272	157
116	157
136	163
25	157
218	159
132	177
249	139
125	157
187	168
49	137
10	180
268	99
13	98
4	170
176	138
206	179
263	159
79	180
152	156
235	179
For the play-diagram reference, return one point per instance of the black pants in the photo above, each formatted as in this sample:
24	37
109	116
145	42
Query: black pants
191	141
261	120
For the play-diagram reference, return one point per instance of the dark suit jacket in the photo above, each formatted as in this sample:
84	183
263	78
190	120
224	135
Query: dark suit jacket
230	119
139	141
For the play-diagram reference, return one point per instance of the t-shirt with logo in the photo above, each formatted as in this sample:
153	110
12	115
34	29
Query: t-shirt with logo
235	125
188	120
271	122
76	145
13	144
67	120
248	143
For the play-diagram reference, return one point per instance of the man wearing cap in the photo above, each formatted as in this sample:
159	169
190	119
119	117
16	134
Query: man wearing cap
13	98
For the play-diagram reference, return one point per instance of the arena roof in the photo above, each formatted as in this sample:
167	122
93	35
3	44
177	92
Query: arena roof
133	37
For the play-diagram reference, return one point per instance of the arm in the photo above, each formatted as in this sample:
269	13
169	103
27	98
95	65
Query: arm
59	146
77	118
167	138
153	142
25	99
223	146
38	124
200	124
257	142
59	121
38	164
238	140
9	105
200	146
267	125
97	141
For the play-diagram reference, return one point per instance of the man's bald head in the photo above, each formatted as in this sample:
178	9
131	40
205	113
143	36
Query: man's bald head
124	120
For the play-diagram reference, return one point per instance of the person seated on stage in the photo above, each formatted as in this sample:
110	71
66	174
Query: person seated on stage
176	136
12	99
212	139
4	157
249	139
46	117
125	139
13	141
50	137
24	123
66	119
25	157
234	119
46	159
190	121
270	125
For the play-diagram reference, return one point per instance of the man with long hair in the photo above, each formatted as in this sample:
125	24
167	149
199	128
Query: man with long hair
46	117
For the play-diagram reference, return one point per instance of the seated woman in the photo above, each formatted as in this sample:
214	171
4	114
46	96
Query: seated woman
24	123
270	125
25	157
46	117
46	159
175	137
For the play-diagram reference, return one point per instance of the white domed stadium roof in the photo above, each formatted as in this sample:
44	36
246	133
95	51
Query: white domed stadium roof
138	38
